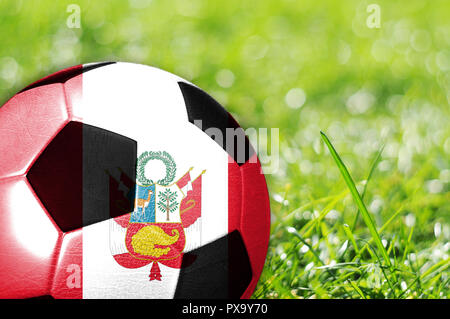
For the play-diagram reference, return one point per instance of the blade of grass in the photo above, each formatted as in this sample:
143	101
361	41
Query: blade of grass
392	249
445	263
386	224
359	291
391	285
307	229
408	243
355	194
372	169
350	236
287	218
311	249
408	288
375	256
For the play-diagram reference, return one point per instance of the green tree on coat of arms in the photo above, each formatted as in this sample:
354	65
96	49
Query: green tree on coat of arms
168	202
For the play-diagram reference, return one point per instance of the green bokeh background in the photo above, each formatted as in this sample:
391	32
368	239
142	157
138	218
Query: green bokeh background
302	67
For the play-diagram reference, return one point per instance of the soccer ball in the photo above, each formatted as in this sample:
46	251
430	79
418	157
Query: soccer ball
120	180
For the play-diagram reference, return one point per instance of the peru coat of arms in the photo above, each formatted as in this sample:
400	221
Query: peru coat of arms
155	229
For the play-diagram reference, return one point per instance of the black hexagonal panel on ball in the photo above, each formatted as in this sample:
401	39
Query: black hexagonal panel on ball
203	110
218	270
85	175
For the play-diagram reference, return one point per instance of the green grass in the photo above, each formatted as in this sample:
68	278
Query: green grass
378	272
381	95
361	207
